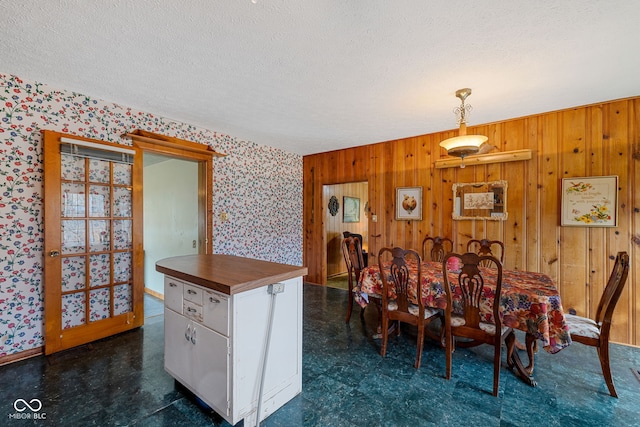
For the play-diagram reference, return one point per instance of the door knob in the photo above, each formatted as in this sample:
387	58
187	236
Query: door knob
54	254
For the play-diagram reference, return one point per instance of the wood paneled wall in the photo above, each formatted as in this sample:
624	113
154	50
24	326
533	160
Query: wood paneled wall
594	140
335	226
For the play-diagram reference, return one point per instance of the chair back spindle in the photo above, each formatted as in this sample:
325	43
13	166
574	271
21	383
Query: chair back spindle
486	247
435	248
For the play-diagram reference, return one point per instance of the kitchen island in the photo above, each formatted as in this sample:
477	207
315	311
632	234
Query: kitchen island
233	332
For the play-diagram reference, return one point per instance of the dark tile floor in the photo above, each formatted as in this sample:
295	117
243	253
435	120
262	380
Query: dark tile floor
121	381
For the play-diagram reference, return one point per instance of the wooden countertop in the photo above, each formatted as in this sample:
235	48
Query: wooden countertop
227	273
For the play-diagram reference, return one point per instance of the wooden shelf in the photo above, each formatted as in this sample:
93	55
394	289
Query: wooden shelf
481	159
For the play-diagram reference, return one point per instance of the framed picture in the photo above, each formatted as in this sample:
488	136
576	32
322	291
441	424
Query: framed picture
409	203
590	201
350	209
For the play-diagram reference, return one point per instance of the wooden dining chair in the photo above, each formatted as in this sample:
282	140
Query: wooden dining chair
365	255
401	279
463	278
487	247
435	248
595	332
352	253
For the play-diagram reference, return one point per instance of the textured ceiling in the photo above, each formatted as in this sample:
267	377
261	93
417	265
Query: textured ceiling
313	76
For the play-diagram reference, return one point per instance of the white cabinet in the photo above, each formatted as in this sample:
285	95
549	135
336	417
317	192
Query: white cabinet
215	346
198	358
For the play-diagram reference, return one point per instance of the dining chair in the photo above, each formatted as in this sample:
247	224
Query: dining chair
352	253
402	278
435	248
595	332
463	277
486	247
365	255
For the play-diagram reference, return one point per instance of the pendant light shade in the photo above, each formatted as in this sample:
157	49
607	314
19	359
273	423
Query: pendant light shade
463	144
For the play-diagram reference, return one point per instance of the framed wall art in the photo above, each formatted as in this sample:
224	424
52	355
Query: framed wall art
350	209
590	201
409	203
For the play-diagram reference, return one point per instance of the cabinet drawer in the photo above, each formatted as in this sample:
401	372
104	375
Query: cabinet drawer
193	294
173	294
192	311
216	312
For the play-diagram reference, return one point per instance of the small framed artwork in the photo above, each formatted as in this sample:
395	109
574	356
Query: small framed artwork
409	203
590	201
350	209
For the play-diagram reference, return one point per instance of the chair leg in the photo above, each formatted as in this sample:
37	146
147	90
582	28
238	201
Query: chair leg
419	346
448	343
497	358
385	336
603	355
349	303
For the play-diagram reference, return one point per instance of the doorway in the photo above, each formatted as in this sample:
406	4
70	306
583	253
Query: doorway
170	204
178	214
346	209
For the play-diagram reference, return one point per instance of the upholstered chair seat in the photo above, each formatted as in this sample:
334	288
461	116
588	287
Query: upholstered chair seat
582	326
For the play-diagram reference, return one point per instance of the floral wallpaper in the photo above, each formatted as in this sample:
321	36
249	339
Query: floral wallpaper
259	187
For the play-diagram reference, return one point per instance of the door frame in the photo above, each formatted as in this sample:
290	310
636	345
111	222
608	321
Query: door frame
324	203
192	151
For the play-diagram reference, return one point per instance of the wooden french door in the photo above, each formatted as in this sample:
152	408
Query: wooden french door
93	266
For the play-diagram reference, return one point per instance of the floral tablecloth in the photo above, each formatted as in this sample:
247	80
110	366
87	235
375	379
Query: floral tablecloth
530	301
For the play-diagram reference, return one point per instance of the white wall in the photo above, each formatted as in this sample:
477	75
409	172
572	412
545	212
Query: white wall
170	214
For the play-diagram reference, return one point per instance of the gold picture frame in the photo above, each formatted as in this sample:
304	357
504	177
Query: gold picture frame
590	201
409	203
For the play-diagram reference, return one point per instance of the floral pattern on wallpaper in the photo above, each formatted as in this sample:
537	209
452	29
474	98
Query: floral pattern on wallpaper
259	187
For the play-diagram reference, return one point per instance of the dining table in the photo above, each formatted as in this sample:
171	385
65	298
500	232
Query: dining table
530	302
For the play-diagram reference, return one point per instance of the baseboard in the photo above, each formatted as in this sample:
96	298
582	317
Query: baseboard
154	293
27	354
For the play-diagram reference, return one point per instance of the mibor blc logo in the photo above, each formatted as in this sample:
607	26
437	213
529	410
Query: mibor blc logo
28	410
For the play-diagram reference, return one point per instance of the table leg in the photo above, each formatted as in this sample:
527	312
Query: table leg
392	329
514	361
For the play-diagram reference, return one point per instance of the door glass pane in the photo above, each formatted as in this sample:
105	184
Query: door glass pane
73	236
73	273
99	201
122	234
98	170
99	271
99	235
99	304
72	200
122	299
122	173
122	267
121	201
73	310
72	167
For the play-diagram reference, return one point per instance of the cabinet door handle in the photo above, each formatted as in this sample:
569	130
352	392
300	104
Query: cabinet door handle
191	310
193	337
173	285
191	292
187	333
214	300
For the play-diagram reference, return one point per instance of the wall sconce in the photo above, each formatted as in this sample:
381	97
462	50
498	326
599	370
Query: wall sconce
463	144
